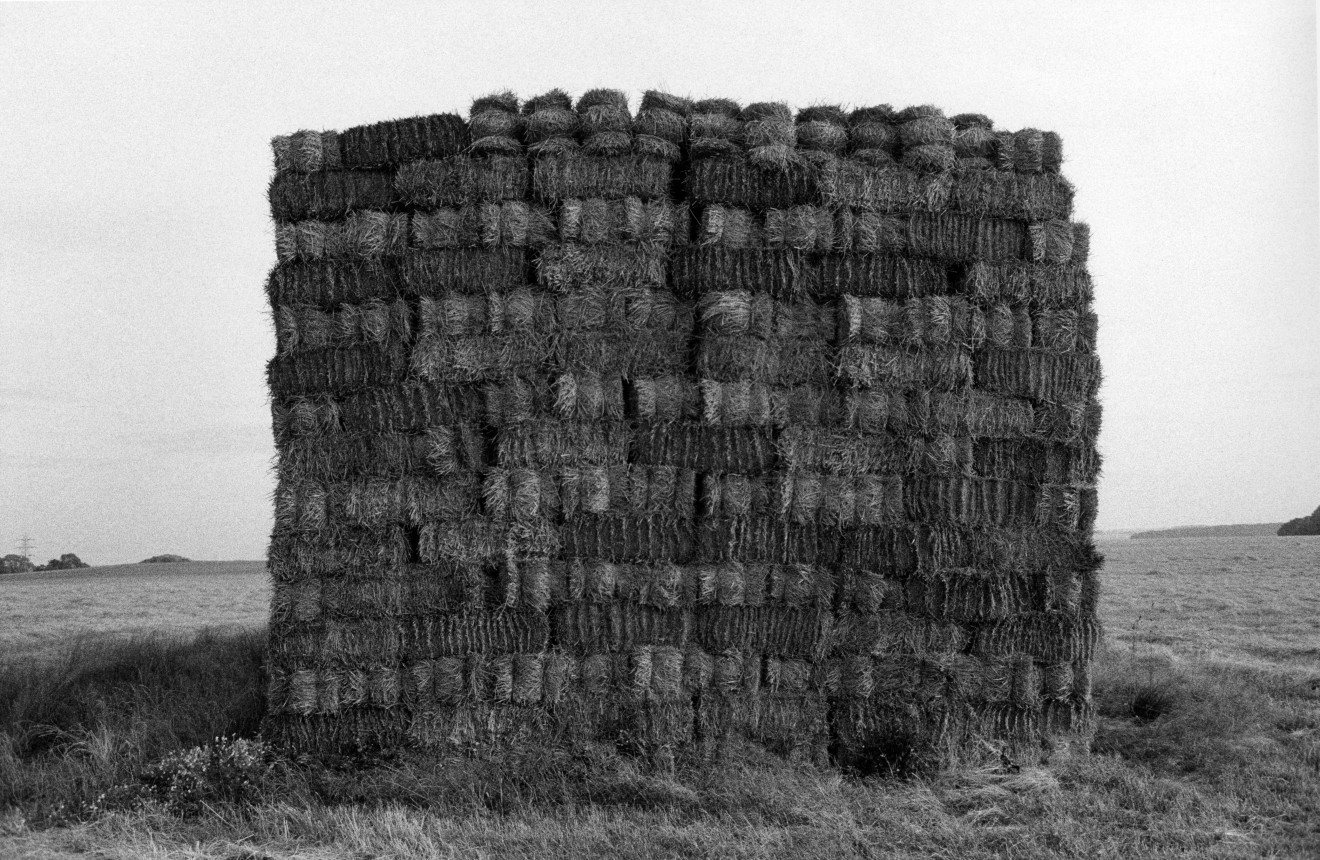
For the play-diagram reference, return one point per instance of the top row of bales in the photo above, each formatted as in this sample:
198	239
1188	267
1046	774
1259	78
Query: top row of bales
919	138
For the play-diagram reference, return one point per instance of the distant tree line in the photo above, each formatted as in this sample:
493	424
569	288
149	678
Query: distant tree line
1302	525
19	564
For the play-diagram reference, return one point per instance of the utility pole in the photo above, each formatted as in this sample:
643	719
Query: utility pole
25	546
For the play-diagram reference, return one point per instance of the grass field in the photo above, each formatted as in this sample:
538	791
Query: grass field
41	612
1208	746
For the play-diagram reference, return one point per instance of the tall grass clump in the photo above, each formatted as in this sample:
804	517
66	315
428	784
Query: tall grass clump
105	709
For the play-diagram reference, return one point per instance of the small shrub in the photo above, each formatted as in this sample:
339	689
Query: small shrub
227	770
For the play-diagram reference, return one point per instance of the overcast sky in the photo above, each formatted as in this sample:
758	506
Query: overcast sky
135	234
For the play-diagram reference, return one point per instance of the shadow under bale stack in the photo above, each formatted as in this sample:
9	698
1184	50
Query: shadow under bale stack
702	423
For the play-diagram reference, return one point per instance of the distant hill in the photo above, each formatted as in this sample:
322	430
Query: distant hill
163	559
1239	530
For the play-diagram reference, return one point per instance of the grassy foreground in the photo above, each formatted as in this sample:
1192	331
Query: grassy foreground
1193	760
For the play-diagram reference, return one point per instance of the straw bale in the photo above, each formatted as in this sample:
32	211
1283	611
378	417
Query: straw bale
765	539
1051	241
463	180
886	275
336	370
303	327
622	538
654	100
329	195
434	272
518	399
739	635
781	274
408	408
929	158
503	101
822	136
1081	243
512	223
770	135
363	234
549	116
1072	423
933	320
495	122
737	182
805	496
607	176
455	314
663	398
552	443
396	141
730	228
743	449
975	413
600	221
973	501
1048	637
962	237
832	452
1043	285
746	403
327	285
927	130
651	147
728	107
1030	197
739	312
1028	151
851	183
970	594
802	228
872	129
566	268
1064	330
306	151
645	353
974	137
779	362
604	112
823	128
662	118
714	134
945	368
607	309
1039	375
613	143
441	358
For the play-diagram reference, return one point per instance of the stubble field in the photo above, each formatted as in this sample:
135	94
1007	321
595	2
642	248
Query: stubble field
1208	689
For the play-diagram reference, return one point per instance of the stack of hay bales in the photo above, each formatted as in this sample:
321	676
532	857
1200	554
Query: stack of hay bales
705	422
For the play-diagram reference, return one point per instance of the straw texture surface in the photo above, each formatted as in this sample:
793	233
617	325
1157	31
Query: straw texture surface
672	426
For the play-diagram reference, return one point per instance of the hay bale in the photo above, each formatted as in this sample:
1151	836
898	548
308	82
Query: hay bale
668	429
398	141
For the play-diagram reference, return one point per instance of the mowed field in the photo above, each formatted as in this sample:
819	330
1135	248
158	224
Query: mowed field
40	612
1249	601
1208	745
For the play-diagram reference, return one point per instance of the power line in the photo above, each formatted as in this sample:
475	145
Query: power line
25	546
